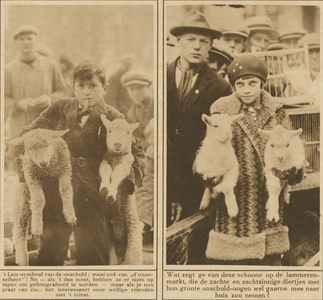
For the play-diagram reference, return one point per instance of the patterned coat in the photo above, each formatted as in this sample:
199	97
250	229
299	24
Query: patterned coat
250	235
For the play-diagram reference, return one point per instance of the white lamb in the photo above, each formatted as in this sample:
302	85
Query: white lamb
284	150
46	154
124	232
216	160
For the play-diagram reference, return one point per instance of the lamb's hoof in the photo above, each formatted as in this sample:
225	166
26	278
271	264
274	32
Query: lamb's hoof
110	199
104	191
273	215
233	211
72	221
35	236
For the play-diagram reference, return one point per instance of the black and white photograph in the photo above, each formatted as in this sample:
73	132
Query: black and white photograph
78	126
243	134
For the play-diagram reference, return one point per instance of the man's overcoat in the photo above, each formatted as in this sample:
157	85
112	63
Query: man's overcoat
185	131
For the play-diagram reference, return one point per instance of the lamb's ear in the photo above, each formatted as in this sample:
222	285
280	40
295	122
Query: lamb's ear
105	121
295	132
206	119
264	133
15	142
134	126
58	133
236	118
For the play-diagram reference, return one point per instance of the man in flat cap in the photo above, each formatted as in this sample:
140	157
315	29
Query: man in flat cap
32	81
234	37
192	86
312	40
261	33
291	36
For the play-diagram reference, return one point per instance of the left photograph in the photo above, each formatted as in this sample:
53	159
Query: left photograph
77	120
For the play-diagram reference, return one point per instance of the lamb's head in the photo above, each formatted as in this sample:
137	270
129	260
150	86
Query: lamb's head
119	134
219	126
279	140
38	145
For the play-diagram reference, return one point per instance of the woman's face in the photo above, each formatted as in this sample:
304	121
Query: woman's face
248	90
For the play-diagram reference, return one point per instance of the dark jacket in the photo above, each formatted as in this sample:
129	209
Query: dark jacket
185	131
92	210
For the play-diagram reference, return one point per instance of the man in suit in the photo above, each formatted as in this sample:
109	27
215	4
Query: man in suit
192	86
86	140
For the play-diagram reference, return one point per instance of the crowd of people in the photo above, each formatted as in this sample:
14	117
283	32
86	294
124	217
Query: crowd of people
41	92
217	71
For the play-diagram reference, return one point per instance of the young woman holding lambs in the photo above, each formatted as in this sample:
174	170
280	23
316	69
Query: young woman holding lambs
250	237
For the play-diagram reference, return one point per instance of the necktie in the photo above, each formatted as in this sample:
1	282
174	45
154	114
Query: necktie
185	83
82	114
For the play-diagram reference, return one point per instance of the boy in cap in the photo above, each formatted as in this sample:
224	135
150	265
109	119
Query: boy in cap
261	33
234	37
250	238
192	86
86	139
138	85
32	81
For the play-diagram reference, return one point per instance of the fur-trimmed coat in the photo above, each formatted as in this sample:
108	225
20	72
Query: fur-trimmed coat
250	235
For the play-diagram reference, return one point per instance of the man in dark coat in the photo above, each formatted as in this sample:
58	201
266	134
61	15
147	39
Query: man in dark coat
86	141
192	86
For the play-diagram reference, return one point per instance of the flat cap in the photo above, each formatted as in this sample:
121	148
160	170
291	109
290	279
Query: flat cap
312	40
25	29
247	64
136	76
237	29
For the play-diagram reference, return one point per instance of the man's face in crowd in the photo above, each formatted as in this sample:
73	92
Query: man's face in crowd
26	42
234	42
89	93
314	58
194	48
138	92
248	89
259	40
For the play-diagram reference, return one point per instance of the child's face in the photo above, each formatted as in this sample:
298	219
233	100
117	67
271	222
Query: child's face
138	92
248	90
89	93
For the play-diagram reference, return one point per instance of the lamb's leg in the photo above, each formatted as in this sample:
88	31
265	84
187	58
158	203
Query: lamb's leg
105	173
37	203
228	183
206	199
286	193
119	173
22	217
273	186
133	255
66	192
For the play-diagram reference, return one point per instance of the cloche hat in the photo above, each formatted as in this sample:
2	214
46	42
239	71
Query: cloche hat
247	64
195	22
312	40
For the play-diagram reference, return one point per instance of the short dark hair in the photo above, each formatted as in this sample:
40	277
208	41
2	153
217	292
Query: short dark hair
85	71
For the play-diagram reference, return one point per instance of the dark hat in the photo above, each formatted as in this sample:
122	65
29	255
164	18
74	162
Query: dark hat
312	40
261	23
247	64
195	22
136	76
25	29
237	29
292	33
219	51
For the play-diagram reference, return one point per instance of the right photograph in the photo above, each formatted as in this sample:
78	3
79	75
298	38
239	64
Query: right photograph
243	135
